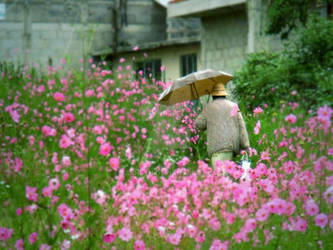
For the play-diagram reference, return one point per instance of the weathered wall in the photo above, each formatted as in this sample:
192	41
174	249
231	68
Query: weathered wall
39	30
182	27
170	58
224	40
146	22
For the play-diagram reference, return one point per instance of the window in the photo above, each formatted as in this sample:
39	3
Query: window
188	64
152	67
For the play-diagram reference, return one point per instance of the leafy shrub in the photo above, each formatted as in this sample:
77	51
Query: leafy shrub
302	72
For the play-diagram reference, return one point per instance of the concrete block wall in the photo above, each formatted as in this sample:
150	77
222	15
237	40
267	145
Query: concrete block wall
146	22
183	27
224	40
53	29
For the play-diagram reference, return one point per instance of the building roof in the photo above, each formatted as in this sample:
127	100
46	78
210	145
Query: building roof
187	8
148	46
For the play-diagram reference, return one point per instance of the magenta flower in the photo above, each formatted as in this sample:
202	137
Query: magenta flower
311	208
321	220
54	183
5	233
218	245
105	149
262	214
47	191
257	127
265	156
125	234
175	238
290	118
114	163
30	193
19	244
257	111
183	162
58	96
324	113
139	245
300	225
234	110
250	225
109	238
68	117
65	141
65	211
99	197
33	238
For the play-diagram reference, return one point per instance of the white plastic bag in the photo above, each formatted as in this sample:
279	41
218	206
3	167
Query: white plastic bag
246	165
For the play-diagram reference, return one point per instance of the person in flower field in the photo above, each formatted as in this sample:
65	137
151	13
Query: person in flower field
226	131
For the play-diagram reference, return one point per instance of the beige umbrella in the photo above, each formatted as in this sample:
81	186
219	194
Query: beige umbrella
193	86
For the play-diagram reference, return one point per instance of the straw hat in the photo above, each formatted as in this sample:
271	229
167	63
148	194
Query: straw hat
219	90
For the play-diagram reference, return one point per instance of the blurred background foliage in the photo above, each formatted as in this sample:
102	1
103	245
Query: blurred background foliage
304	66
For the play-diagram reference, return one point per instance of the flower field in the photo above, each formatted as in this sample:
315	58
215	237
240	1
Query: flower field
90	160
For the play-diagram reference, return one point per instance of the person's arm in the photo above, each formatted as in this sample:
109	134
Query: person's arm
201	121
244	138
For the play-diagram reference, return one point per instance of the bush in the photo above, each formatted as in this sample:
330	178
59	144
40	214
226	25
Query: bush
302	72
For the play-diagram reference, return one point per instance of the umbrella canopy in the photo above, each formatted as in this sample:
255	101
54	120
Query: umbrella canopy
193	86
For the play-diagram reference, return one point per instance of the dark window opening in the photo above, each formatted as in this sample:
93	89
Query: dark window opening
188	64
150	69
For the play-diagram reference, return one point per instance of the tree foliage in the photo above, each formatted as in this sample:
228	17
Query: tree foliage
285	15
305	66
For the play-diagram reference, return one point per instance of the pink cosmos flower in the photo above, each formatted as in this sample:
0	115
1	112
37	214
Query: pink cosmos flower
175	238
265	156
65	211
311	208
99	197
18	212
300	225
114	163
234	110
135	48
290	118
109	237
54	183
47	191
139	245
288	167
218	245
5	234
65	141
324	113
44	247
262	214
183	162
257	111
19	244
68	117
257	127
105	149
66	161
200	238
321	220
125	234
49	131
58	96
30	193
33	238
250	225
